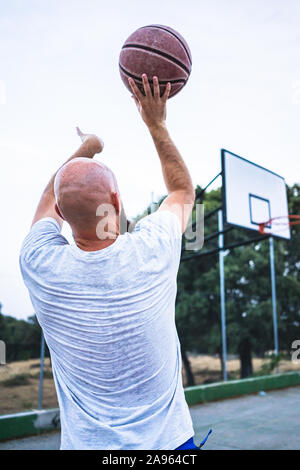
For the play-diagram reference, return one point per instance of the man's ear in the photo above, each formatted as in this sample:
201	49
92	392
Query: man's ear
58	212
116	202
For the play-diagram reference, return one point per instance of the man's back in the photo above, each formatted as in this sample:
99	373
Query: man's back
109	320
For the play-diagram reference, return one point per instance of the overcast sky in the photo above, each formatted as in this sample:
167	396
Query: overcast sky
59	69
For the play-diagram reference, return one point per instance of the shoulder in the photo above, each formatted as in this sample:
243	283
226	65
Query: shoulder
43	234
159	237
164	224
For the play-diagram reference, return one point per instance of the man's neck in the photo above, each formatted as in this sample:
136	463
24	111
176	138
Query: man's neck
98	237
94	244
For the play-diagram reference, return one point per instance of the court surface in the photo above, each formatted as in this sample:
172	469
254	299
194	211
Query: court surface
263	421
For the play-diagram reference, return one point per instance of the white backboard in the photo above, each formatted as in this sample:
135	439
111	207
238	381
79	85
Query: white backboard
252	195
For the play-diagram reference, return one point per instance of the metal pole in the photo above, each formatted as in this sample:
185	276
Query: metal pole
274	301
222	293
42	357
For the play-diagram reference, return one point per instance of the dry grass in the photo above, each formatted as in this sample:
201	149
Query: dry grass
25	397
207	369
17	398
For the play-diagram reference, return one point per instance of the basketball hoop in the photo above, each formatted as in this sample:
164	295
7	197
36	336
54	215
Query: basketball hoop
279	223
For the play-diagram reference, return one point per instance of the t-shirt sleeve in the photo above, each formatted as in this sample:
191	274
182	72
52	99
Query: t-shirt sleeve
161	233
43	235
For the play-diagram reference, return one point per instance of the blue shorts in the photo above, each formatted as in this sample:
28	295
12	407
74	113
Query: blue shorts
191	445
188	445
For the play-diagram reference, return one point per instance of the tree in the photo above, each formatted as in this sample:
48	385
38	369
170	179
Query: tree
249	320
22	337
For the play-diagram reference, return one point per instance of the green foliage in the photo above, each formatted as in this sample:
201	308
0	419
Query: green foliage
269	366
47	374
16	380
249	320
22	338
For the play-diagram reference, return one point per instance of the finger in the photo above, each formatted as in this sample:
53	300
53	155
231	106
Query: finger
156	88
138	104
102	144
81	134
135	98
146	85
167	92
137	93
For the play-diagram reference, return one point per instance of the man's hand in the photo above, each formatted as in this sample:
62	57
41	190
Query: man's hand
152	107
96	144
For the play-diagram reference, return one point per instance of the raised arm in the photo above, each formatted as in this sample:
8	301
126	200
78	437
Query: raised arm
91	144
152	107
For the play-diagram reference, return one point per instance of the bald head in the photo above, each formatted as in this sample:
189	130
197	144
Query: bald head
81	186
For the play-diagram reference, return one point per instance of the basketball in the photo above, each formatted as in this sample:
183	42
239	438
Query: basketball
156	50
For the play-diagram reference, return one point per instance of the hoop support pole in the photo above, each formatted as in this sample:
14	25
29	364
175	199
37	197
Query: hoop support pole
274	299
222	293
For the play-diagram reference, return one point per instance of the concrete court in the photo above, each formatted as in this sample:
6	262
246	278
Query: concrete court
262	422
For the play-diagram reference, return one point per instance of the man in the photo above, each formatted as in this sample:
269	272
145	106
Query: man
107	303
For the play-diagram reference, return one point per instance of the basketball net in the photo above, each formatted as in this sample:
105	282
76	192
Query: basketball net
279	223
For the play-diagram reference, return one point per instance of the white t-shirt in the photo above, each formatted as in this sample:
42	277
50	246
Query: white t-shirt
108	318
